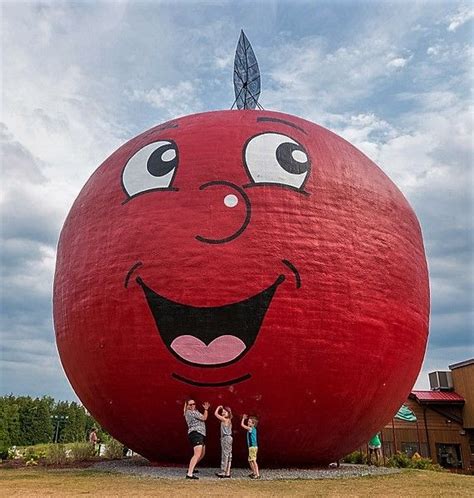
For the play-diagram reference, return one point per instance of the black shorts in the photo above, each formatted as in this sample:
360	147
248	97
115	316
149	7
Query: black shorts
196	439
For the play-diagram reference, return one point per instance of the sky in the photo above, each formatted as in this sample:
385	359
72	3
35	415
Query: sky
81	78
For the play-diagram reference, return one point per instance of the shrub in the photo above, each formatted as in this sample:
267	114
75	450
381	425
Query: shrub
426	464
4	452
113	449
56	454
14	453
399	460
81	451
35	453
403	461
355	457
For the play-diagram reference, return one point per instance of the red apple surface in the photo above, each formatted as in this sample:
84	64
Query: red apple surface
250	259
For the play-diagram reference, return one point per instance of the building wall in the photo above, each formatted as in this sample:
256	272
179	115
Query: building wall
463	380
406	436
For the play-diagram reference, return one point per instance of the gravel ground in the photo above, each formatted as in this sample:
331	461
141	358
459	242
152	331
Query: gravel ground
142	468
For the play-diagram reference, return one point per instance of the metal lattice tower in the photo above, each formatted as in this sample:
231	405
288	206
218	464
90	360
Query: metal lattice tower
246	76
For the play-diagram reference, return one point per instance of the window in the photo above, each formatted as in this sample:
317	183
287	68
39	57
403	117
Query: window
410	448
413	447
449	455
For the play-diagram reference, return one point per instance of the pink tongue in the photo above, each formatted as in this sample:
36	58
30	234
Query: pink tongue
221	350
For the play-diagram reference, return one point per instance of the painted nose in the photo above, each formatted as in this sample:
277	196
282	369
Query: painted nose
229	212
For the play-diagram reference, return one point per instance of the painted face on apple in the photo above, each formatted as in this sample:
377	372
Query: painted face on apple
217	336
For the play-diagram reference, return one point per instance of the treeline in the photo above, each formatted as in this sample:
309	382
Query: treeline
26	421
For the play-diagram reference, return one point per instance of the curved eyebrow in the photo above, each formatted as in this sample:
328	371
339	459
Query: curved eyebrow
277	120
166	126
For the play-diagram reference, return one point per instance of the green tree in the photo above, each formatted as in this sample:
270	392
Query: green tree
12	421
35	421
4	436
80	426
73	422
28	421
69	433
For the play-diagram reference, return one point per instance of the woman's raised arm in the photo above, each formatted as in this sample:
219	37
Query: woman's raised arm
218	415
206	406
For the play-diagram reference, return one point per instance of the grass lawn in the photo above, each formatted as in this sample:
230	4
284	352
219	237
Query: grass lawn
74	482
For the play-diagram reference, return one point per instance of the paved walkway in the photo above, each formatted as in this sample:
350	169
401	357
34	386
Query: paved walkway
141	467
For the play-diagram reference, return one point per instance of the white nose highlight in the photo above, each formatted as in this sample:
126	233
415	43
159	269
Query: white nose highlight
231	200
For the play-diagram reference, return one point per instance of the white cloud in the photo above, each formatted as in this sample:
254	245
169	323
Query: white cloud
366	131
429	154
308	72
452	55
463	15
224	61
333	77
398	62
176	100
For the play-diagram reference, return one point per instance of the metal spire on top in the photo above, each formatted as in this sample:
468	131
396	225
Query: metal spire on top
246	76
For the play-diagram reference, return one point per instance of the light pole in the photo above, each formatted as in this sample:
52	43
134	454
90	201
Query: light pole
58	419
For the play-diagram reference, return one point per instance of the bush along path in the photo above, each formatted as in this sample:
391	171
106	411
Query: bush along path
59	455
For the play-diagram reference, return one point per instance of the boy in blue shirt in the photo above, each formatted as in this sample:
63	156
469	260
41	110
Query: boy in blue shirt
251	428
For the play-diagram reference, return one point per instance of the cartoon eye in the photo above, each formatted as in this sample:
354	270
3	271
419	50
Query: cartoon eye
276	158
151	168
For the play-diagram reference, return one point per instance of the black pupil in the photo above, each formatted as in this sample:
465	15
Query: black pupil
157	166
284	155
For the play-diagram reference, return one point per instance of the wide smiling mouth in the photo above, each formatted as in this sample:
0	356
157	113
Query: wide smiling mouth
209	336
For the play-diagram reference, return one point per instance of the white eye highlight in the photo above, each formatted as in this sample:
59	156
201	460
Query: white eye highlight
299	156
168	155
278	159
152	167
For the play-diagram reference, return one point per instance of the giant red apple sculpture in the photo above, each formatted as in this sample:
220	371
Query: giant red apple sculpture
247	258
